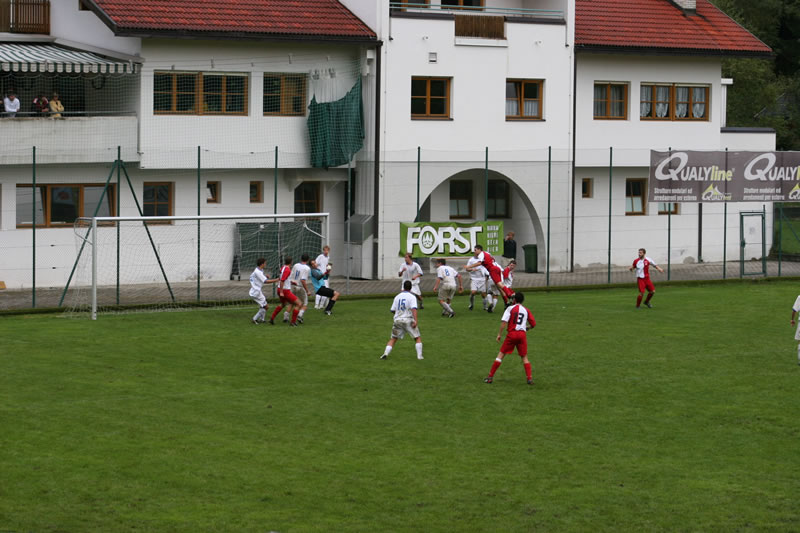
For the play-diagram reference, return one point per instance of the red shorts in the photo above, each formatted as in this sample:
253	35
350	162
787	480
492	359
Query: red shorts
645	283
496	273
287	297
516	339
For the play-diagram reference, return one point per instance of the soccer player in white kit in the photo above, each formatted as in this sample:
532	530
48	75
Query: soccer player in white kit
411	271
477	281
299	278
322	265
257	281
447	277
795	310
404	308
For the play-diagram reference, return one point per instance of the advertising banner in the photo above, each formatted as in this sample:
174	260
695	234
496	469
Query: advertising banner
689	176
450	239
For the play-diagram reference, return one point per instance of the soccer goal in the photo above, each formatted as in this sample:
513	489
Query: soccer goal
161	263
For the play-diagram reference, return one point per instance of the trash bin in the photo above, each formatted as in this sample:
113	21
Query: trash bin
531	258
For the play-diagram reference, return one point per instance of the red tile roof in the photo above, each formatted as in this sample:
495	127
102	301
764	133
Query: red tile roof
660	24
302	19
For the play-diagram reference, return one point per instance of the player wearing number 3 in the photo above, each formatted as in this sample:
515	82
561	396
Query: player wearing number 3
642	265
404	308
518	319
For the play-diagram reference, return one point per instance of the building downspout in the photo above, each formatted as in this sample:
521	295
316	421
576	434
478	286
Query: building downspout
376	177
574	145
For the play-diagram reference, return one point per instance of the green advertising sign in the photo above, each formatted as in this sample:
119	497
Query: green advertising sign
450	239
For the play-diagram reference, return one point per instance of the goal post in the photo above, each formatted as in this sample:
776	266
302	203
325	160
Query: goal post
171	262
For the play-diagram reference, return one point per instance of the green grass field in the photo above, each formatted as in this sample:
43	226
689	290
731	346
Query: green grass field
680	418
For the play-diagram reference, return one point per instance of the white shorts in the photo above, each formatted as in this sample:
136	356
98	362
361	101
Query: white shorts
414	289
401	327
258	297
446	292
300	292
478	286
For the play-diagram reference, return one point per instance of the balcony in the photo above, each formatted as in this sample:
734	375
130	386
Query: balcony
25	16
476	21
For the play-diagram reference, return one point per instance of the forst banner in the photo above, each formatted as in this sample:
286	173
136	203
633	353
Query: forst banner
450	239
689	176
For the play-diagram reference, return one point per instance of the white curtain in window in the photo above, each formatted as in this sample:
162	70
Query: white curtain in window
531	108
512	108
682	99
645	107
699	99
662	96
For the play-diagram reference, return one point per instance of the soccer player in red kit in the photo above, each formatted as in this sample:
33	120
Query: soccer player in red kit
495	272
642	265
285	294
518	319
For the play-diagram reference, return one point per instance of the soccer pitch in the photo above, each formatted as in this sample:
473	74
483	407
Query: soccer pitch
682	417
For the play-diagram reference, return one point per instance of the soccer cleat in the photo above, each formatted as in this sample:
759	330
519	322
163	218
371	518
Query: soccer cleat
471	306
328	313
490	309
384	356
452	314
286	320
271	322
530	382
300	319
293	324
444	312
488	379
648	305
254	321
419	356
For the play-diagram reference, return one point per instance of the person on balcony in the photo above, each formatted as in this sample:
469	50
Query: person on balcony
11	103
41	105
56	107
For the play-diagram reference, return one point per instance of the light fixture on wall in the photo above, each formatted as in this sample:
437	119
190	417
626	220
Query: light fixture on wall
433	57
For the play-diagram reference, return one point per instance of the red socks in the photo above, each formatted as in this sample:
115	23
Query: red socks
294	315
275	312
528	370
639	300
495	366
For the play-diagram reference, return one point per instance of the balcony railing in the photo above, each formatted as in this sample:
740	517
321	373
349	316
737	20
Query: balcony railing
25	16
423	7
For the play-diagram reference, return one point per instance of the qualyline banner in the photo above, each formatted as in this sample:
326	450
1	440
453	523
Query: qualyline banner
689	176
449	239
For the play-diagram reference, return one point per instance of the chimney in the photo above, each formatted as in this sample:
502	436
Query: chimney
689	7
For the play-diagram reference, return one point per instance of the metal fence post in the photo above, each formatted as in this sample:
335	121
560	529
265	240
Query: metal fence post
418	179
33	232
610	176
549	182
198	223
486	187
780	237
119	190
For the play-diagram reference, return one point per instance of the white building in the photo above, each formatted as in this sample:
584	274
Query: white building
516	78
525	97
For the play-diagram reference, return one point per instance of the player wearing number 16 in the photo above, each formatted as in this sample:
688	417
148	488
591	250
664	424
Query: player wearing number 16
517	318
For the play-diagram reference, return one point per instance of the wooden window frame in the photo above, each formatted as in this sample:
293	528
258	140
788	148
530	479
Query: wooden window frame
608	101
507	199
587	188
47	203
672	210
199	100
469	199
673	102
521	99
643	181
259	199
461	6
285	96
213	192
170	203
317	200
427	115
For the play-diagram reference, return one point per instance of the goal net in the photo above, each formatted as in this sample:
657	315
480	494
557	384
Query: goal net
160	263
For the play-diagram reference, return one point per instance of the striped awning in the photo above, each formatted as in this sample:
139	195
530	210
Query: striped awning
17	57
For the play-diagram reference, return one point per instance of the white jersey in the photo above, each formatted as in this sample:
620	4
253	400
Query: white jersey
447	275
479	274
402	305
410	271
508	280
300	272
257	279
322	262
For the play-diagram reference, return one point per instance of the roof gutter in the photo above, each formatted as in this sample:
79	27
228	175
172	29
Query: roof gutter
646	50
